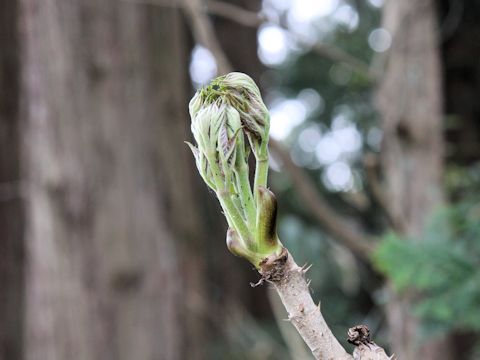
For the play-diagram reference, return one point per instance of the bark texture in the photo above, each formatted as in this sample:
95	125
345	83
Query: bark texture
103	97
292	287
410	104
11	222
303	313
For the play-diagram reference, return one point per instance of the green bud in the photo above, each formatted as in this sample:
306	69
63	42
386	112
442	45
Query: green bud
224	115
266	232
240	91
220	144
236	246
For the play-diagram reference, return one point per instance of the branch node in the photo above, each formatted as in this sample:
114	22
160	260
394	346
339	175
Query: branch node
359	334
272	267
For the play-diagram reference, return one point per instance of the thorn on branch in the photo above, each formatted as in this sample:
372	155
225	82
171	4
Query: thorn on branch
258	283
305	268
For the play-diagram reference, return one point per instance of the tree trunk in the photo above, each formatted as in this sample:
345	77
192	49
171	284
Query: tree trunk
11	233
108	207
410	104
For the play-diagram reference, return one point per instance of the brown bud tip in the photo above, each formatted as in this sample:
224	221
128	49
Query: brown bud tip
359	334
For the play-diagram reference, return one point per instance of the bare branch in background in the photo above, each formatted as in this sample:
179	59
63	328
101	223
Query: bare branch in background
254	19
340	228
204	34
249	18
235	13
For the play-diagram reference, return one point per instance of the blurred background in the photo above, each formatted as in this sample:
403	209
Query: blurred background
111	247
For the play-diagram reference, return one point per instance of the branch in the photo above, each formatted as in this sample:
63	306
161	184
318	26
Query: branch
323	213
204	33
252	19
235	13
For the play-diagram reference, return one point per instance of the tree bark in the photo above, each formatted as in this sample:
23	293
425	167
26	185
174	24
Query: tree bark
11	219
104	88
410	103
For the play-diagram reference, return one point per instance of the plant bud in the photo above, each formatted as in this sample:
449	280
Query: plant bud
225	113
266	232
237	248
241	92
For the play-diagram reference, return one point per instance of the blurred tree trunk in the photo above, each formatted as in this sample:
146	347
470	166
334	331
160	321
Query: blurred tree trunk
410	103
111	201
11	233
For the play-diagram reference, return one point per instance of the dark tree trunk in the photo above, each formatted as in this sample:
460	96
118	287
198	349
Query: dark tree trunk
11	224
461	73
